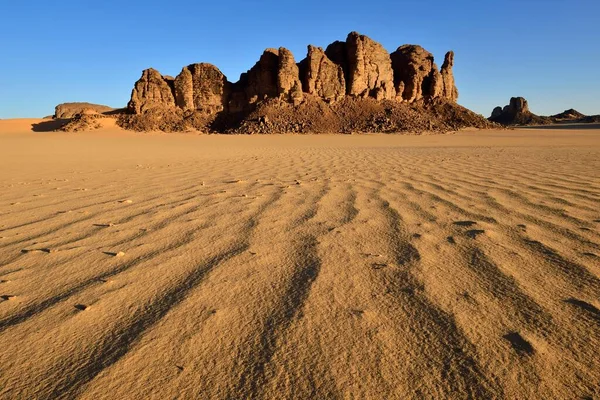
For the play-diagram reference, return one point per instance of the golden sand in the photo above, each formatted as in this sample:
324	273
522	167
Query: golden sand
154	266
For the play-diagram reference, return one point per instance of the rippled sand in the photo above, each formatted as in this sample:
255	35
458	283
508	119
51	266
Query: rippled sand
385	267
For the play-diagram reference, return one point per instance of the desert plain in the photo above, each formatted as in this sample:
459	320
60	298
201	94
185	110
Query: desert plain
176	266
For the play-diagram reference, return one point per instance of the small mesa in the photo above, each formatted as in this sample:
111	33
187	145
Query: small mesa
7	297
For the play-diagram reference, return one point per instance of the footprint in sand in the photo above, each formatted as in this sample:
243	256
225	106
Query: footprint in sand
44	250
112	254
464	223
522	346
473	233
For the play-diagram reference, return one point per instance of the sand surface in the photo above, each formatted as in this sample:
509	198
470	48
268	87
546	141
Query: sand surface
292	267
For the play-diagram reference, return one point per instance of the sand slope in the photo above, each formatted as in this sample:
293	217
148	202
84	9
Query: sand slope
383	267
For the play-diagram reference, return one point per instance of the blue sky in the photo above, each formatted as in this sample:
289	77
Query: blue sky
51	52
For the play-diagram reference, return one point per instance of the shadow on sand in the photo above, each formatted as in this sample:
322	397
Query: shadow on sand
49	126
564	126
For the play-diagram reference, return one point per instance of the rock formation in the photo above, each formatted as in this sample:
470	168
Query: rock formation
416	76
450	91
358	68
369	69
202	87
497	112
413	68
517	113
322	77
70	110
289	87
152	90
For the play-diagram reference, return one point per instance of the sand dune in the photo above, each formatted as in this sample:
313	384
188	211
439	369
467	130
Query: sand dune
370	267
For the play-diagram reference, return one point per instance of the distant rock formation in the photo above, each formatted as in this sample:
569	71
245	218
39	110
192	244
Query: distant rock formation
70	110
358	68
569	115
517	113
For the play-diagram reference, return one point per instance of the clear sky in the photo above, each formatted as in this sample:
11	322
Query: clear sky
547	51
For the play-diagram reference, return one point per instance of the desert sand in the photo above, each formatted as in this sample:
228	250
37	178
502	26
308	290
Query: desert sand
163	266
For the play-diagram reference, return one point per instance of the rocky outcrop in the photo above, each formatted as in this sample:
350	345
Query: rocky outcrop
450	92
369	69
322	77
202	88
357	68
275	75
517	113
152	90
497	112
414	72
70	110
416	75
289	87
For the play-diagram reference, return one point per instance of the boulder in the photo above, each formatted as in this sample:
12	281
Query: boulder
322	77
202	87
152	90
450	91
369	69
